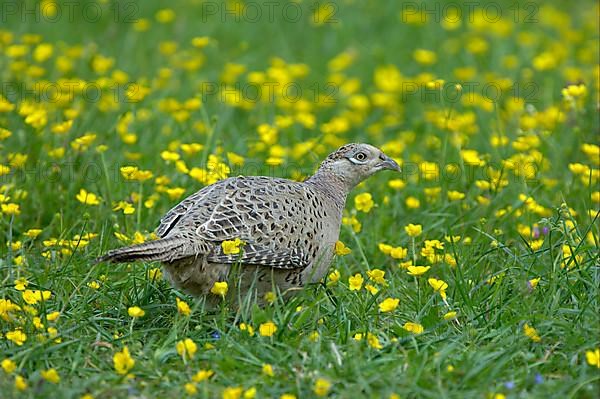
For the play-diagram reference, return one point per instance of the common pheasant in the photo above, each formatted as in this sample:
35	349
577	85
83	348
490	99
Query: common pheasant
287	229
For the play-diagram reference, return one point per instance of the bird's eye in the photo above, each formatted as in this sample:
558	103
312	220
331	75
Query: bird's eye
361	156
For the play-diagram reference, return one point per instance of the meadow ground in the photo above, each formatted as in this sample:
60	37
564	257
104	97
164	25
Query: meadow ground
112	112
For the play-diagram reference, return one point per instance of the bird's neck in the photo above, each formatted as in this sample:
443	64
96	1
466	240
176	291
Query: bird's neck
331	185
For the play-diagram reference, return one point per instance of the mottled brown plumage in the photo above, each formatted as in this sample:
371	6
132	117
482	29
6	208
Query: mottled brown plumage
289	228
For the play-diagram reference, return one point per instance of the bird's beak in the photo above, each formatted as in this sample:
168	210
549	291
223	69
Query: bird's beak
388	163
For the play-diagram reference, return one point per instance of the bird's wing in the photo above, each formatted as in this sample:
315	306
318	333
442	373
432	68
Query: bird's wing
268	215
251	254
200	203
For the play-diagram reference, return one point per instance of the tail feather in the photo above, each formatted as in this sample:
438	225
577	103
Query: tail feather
164	250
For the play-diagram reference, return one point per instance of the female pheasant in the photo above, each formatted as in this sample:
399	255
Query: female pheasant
287	229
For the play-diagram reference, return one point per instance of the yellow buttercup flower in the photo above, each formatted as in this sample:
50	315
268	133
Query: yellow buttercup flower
414	328
398	252
250	393
425	57
412	202
6	106
574	91
123	362
9	366
62	128
51	375
341	249
219	288
372	289
373	341
136	92
136	312
21	284
385	248
413	230
10	209
232	247
190	388
232	393
321	387
53	316
15	246
155	274
438	286
377	275
397	184
248	328
417	270
101	64
175	192
428	252
593	357
235	159
134	173
452	239
429	170
471	157
388	305
267	370
267	329
202	375
531	333
455	195
333	277
32	297
364	202
182	307
20	383
33	233
170	156
87	198
125	206
534	282
186	348
165	15
270	297
200	41
450	315
355	282
353	222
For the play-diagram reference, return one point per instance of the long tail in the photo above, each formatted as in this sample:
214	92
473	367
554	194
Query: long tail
164	250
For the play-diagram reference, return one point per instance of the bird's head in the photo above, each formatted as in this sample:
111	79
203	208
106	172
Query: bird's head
353	163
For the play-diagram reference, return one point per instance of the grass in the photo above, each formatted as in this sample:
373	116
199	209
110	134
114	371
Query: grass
529	209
